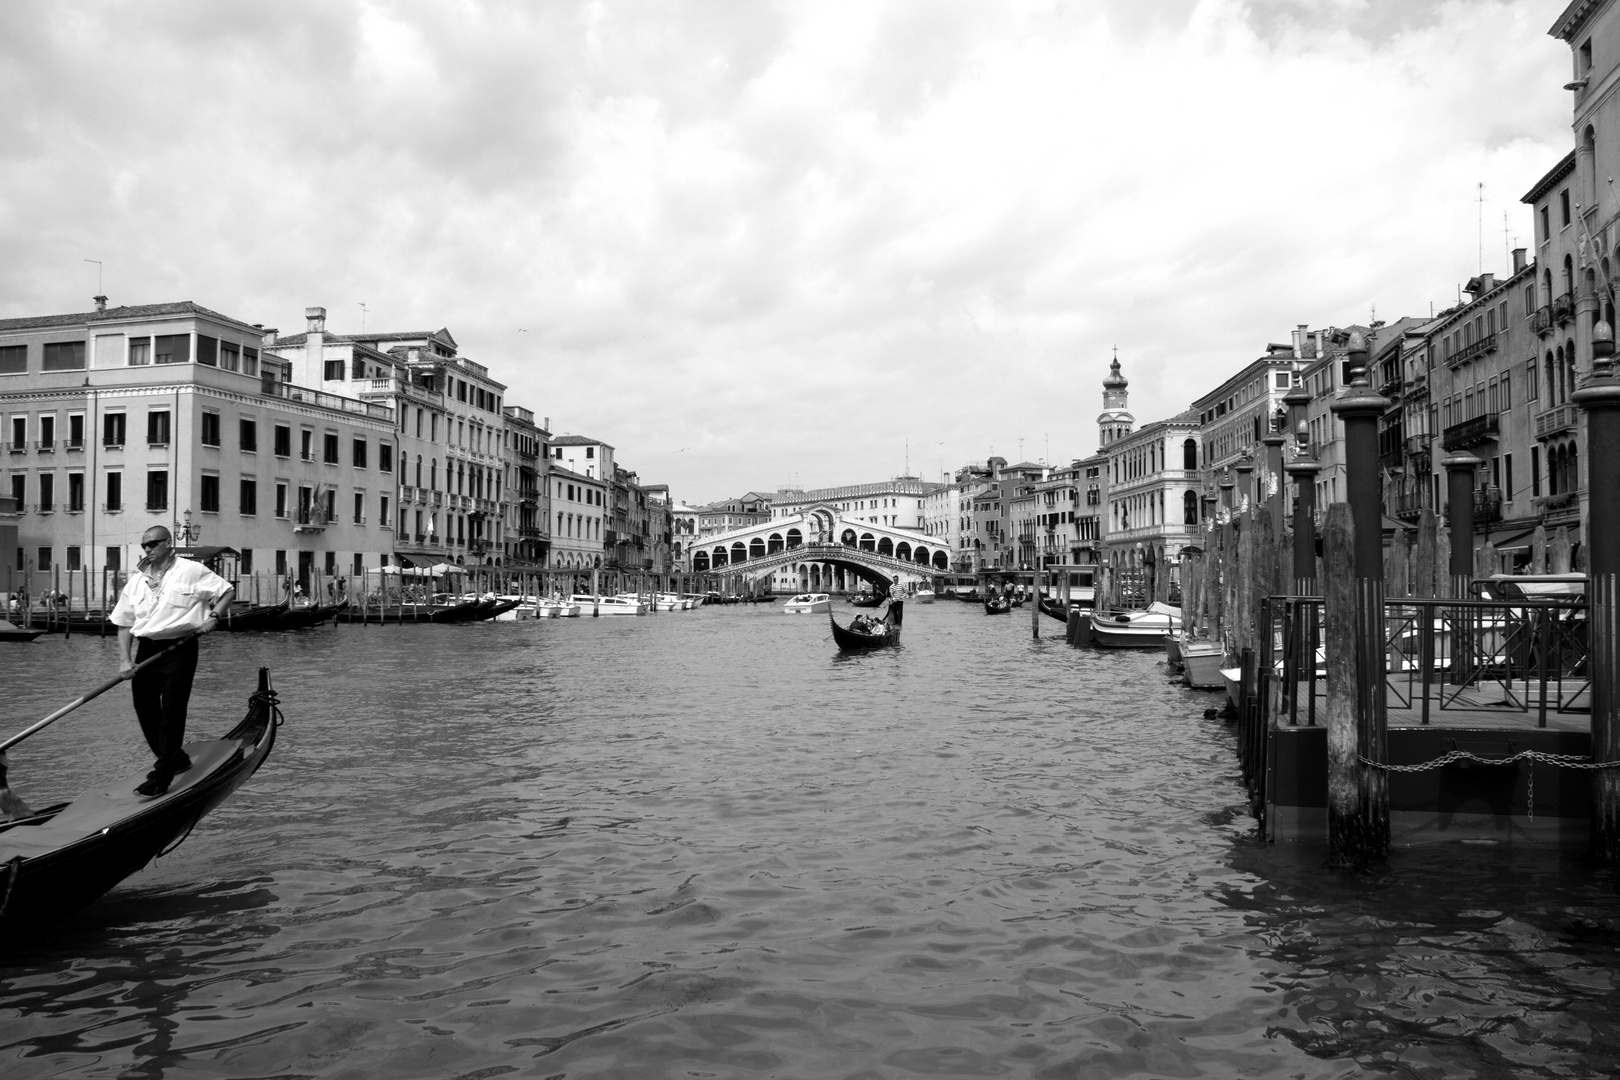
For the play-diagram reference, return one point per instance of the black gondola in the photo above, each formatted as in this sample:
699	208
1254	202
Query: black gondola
867	600
67	856
854	641
1055	609
263	617
12	632
997	605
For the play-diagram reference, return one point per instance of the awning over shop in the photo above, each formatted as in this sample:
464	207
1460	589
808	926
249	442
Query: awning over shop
1517	542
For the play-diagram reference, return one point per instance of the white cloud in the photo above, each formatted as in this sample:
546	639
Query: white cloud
786	237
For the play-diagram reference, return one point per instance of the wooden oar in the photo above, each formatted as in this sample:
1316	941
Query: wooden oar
97	692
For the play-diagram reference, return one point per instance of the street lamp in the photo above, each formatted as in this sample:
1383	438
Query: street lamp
186	532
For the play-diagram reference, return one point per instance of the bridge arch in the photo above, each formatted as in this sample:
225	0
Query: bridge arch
885	546
756	548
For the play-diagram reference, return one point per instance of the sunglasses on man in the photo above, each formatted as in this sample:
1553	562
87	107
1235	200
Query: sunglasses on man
148	545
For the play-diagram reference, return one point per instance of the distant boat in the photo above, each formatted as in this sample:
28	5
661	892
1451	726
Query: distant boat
997	605
1201	663
924	595
607	605
809	604
866	599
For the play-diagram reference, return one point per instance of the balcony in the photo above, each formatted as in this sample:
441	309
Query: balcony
1470	432
46	446
1393	460
1409	505
1479	348
17	447
1541	320
1555	421
1563	309
309	521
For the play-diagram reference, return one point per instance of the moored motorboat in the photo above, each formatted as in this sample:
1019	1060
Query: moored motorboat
1144	629
924	595
878	634
607	605
809	604
57	861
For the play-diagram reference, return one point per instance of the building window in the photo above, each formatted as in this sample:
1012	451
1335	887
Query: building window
249	498
112	430
115	559
385	457
43	559
359	453
230	356
140	351
250	360
207	350
157	427
13	359
76	431
244	561
115	492
333	371
47	492
382	511
306	445
209	494
157	489
172	349
1563	206
210	429
248	435
329	447
281	563
283	441
359	508
76	493
1535	471
281	500
64	356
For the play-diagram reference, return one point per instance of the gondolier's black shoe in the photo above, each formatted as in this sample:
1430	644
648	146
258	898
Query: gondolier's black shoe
153	787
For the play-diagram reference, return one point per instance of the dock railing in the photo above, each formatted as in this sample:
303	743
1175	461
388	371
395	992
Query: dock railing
1441	656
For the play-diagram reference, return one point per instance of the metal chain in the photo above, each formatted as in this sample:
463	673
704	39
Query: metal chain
1566	761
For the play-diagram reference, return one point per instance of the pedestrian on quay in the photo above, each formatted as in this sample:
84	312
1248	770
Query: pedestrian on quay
164	607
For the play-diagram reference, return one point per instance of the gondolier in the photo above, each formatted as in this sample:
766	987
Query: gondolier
897	592
166	600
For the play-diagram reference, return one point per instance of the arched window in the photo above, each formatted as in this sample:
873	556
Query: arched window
1550	375
848	539
719	557
739	553
1574	465
794	538
868	543
1189	454
902	550
756	548
920	555
940	561
1569	275
885	546
433	474
700	562
775	544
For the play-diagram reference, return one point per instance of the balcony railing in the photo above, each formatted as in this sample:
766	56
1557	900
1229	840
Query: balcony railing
1541	321
1563	309
311	520
1393	460
1471	432
1479	348
17	447
1411	504
46	446
1555	421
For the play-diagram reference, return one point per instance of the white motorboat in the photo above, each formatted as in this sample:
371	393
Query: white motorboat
607	605
523	609
816	603
923	596
556	608
1145	629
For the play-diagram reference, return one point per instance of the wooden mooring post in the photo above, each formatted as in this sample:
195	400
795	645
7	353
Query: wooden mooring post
1600	399
1358	787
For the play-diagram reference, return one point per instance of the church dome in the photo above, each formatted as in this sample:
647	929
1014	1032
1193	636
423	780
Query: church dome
1115	381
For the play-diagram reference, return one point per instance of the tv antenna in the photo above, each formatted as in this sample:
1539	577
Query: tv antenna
362	316
99	289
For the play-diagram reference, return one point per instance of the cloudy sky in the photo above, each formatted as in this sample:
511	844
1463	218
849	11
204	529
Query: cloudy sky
753	244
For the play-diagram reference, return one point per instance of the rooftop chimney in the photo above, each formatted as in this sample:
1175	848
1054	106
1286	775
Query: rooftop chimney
1299	341
101	302
1518	260
316	317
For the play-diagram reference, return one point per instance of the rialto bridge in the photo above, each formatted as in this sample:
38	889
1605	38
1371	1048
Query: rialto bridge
821	551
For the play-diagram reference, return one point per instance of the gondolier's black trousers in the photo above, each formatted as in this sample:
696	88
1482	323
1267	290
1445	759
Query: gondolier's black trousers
161	694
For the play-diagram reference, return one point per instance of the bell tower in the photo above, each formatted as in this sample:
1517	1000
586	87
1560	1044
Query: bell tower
1116	421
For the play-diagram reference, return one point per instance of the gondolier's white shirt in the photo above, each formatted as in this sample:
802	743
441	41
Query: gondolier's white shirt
178	607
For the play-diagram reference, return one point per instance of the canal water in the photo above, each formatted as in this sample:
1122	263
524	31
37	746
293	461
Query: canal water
703	844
